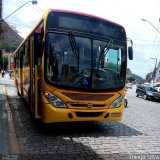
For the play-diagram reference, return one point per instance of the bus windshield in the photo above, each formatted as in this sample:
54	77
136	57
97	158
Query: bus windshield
81	62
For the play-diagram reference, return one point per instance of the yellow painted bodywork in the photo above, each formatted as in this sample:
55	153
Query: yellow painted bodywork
50	113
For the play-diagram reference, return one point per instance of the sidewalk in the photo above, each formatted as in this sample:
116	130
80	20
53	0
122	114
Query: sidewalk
4	141
8	139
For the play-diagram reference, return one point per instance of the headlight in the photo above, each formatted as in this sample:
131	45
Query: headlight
55	101
150	93
117	103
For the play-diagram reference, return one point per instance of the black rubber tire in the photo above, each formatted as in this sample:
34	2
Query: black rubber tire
145	97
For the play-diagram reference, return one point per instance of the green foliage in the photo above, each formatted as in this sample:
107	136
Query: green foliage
149	77
4	63
9	38
130	79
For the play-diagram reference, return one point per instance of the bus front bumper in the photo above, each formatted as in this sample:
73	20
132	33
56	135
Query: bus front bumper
51	114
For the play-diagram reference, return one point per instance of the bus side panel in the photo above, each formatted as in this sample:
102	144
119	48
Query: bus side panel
34	87
21	55
17	80
26	84
26	72
32	80
18	74
21	82
38	50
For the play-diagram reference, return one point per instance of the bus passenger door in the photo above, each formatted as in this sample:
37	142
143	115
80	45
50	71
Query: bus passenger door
35	79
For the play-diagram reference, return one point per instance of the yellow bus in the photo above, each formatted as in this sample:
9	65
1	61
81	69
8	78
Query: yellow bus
72	67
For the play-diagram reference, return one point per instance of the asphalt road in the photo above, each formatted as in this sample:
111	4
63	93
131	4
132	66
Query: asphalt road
137	136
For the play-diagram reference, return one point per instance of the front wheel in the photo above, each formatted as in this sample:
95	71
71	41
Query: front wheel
137	95
125	103
145	97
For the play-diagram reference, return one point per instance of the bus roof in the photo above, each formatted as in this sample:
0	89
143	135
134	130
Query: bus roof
82	13
45	15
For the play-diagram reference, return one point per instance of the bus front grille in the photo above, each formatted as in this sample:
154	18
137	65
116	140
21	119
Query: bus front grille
88	114
88	97
87	105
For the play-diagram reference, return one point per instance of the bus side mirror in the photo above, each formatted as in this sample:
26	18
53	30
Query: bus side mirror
130	53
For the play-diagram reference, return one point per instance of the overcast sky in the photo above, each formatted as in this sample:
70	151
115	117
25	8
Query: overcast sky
125	12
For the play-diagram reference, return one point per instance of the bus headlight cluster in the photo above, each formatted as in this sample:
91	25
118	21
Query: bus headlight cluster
55	101
117	103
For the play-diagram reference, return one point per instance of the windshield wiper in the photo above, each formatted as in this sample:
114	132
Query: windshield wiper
104	51
74	46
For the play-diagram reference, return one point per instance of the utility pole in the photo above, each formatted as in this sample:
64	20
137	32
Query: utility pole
152	24
154	71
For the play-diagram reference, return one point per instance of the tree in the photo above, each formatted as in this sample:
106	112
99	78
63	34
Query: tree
9	38
149	77
130	79
4	63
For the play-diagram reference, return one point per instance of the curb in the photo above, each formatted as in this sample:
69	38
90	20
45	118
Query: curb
14	145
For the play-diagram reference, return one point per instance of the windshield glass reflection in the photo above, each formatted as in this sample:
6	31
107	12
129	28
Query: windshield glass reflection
80	62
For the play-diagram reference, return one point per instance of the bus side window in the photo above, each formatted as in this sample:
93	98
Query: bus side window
21	56
15	62
26	54
38	50
26	63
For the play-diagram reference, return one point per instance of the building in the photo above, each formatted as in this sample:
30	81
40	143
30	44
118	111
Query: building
9	41
9	56
157	74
